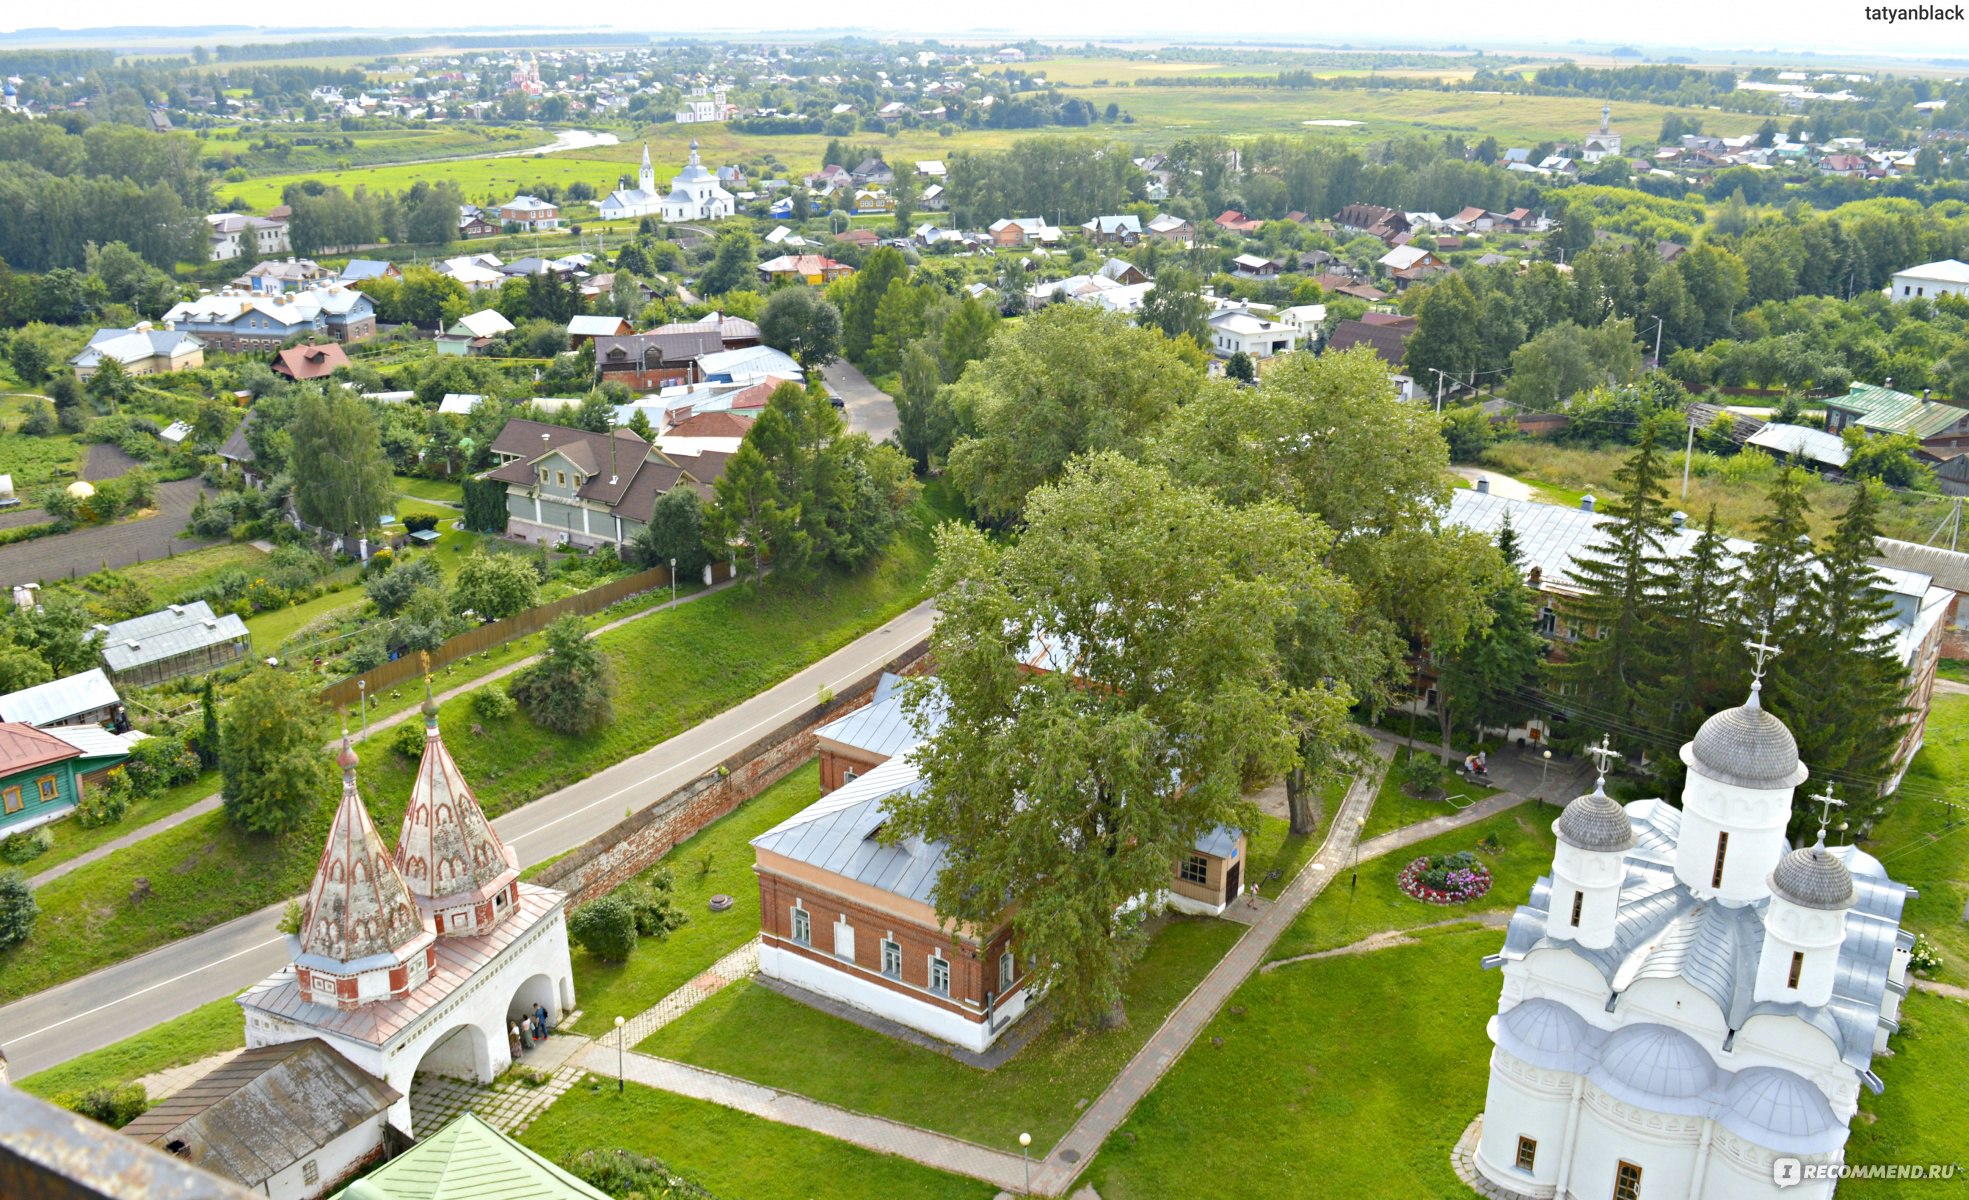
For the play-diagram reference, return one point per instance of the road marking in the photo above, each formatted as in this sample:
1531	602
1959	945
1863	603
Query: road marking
729	739
153	987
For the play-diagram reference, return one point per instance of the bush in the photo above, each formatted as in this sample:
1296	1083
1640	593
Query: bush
654	905
419	522
493	704
157	763
17	848
408	739
18	909
106	803
392	589
605	928
1923	960
626	1173
1422	773
113	1106
494	585
568	690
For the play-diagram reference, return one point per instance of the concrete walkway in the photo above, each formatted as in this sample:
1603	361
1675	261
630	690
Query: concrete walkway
1951	687
1500	483
213	801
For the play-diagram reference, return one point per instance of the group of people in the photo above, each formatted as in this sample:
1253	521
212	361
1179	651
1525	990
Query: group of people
1476	764
527	1032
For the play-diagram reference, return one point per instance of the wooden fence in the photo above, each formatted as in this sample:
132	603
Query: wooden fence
495	633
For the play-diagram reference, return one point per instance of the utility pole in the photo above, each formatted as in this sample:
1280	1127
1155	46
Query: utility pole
1688	458
1657	359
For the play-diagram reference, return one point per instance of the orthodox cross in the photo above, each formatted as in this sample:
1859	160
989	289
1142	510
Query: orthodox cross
1603	756
1827	802
1762	651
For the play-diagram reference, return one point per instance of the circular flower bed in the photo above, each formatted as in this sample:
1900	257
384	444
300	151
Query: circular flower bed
1445	878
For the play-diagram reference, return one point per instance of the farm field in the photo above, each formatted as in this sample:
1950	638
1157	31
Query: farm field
371	146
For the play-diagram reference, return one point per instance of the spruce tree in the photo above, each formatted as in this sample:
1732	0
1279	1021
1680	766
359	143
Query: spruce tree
1702	654
1840	685
1774	572
1492	675
1622	578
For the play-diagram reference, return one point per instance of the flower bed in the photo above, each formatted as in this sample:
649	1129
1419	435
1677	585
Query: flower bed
1445	878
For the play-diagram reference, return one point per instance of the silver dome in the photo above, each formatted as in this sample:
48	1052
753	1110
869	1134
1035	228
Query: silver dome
1595	822
1547	1034
1747	747
1813	877
1651	1064
1779	1110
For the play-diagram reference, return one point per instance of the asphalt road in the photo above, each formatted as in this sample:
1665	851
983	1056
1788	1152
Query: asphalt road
870	410
85	1014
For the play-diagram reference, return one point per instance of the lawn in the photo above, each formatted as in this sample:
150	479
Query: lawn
169	579
1348	1076
205	1030
731	1154
445	491
1918	845
1344	914
1395	808
72	839
673	669
746	1030
718	859
1923	1078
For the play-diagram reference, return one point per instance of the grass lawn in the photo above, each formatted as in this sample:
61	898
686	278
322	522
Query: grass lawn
72	839
1917	846
746	1030
448	491
166	579
609	990
1343	914
205	1030
1348	1076
732	1154
672	669
1394	808
1923	1078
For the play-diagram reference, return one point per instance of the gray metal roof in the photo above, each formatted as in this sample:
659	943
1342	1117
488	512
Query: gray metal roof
1595	822
58	699
1799	441
1663	931
1948	568
837	834
883	726
1748	747
167	633
96	742
1813	877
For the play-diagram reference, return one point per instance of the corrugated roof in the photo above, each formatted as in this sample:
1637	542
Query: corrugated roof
1948	568
1888	411
1800	441
96	742
23	748
882	726
166	633
265	1109
470	1160
55	701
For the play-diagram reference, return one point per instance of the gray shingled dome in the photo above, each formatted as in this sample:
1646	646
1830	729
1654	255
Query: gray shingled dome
1596	823
1747	747
1813	877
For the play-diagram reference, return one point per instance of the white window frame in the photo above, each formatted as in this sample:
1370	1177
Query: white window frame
848	776
891	958
802	932
937	960
1008	971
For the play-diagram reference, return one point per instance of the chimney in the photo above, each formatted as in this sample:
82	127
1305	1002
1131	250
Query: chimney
1679	519
1586	503
1483	485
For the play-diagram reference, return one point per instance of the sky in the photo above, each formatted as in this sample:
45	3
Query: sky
1831	27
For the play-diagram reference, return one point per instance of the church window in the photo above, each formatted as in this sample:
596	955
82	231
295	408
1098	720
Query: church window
844	940
1195	869
1527	1153
12	796
940	976
803	926
1722	850
1627	1182
1007	971
1578	902
49	789
1797	968
892	958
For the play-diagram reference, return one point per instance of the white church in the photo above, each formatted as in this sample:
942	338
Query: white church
694	195
1690	1006
421	959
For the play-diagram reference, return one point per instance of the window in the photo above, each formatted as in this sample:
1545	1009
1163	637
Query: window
803	926
1195	869
892	958
1007	970
1527	1153
49	789
1722	849
1578	902
12	796
844	940
1627	1182
940	976
310	1173
1797	968
848	776
1548	621
560	479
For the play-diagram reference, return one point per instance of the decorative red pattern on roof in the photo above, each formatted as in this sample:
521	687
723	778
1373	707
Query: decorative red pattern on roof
358	906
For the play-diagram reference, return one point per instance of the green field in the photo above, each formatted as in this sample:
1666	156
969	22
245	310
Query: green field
205	1030
371	146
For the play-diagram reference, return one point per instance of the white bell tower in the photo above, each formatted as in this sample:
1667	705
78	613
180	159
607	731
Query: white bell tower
1805	923
646	178
1589	863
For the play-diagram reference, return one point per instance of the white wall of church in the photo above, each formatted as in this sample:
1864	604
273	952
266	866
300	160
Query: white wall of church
1524	1101
1612	1132
1755	819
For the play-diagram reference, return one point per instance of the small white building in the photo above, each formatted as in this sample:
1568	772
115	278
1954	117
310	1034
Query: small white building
1237	329
1945	278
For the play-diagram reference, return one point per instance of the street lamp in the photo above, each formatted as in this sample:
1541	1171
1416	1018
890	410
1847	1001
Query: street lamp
618	1056
362	704
1025	1153
673	581
1544	765
1360	823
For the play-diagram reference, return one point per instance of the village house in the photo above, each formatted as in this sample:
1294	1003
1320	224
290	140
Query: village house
85	698
1240	330
567	486
1387	338
527	214
44	772
474	223
140	350
1254	266
1373	220
284	275
237	322
1170	229
302	363
586	328
1233	221
473	332
1124	229
235	234
815	269
1942	429
361	270
1411	264
657	359
1023	231
1945	278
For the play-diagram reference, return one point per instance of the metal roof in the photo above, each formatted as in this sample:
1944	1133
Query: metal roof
1800	441
1947	568
265	1109
96	742
470	1160
1889	411
166	633
55	701
883	726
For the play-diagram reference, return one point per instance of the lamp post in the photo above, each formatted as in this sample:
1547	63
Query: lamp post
1360	823
618	1056
1025	1153
1544	766
362	705
673	581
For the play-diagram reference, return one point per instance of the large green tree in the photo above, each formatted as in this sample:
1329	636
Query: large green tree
570	688
271	760
342	479
1700	639
1494	675
882	267
1061	797
1175	305
802	323
494	585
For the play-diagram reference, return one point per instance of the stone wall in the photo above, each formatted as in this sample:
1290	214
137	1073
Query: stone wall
618	855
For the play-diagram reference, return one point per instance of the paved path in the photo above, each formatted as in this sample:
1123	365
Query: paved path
1422	831
1387	939
870	410
189	812
1950	687
1942	989
1500	483
81	551
129	997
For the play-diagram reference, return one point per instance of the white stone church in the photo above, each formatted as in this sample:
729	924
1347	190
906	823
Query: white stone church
695	195
419	960
1690	1006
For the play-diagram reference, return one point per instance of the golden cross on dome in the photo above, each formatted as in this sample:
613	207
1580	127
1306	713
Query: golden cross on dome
1827	802
1603	756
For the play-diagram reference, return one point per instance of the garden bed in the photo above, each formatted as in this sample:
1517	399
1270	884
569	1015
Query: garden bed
1456	878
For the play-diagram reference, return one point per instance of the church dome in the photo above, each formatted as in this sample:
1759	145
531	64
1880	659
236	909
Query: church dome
1595	822
1546	1034
1813	877
1651	1063
1748	747
1781	1111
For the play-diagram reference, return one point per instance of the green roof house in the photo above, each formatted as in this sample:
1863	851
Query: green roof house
469	1160
1942	429
43	771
